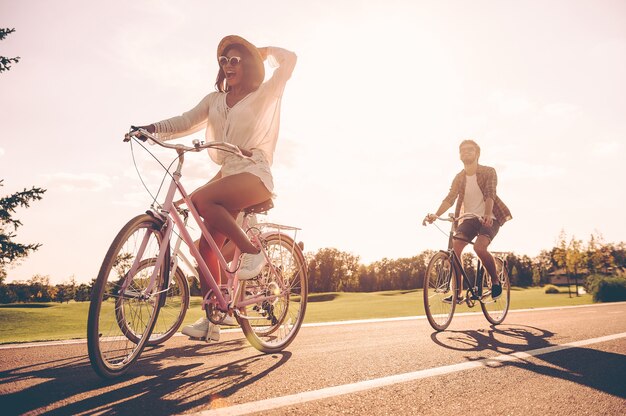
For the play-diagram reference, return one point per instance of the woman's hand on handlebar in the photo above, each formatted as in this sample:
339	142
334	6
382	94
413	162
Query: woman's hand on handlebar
150	128
134	132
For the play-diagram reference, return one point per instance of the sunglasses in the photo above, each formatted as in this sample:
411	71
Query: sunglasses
233	60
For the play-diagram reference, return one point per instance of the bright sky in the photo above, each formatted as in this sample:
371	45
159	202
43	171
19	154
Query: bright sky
382	94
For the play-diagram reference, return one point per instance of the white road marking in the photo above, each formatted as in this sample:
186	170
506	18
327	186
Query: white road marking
329	392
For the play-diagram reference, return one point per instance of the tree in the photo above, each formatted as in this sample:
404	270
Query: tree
520	270
543	265
11	251
66	291
619	255
83	292
5	63
40	289
576	258
559	253
7	294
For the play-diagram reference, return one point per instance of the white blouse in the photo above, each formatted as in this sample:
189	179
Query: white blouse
252	123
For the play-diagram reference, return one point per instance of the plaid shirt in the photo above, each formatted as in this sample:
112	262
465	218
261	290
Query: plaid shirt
487	181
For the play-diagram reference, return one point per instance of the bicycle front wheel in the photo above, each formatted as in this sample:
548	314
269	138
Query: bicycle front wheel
174	304
495	310
122	311
439	291
271	324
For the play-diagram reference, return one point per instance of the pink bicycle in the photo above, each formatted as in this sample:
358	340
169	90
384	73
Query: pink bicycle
134	282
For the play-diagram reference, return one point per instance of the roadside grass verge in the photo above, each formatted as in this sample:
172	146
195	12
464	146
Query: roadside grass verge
54	321
43	322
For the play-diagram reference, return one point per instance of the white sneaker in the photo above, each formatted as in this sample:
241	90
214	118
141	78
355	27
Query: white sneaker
202	328
251	265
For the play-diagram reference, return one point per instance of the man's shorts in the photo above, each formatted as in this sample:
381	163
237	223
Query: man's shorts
472	227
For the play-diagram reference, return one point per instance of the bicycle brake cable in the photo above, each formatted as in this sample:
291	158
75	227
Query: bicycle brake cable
167	170
132	152
442	231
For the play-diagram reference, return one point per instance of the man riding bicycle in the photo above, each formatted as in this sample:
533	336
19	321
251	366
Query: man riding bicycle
474	189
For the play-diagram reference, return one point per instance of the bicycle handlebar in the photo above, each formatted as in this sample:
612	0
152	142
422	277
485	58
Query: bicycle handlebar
452	218
143	135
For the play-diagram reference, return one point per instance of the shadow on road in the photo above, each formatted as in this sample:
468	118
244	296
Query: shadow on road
162	382
599	370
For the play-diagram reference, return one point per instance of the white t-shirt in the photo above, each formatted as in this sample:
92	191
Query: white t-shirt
252	123
474	200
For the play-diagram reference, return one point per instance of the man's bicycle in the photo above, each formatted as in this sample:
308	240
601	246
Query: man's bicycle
440	286
135	281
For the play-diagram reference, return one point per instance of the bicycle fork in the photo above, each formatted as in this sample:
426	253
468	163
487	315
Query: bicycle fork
149	290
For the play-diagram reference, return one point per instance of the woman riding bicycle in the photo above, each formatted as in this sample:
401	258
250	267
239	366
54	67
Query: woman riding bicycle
244	111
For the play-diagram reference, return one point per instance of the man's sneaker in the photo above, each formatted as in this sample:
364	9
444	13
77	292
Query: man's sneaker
496	291
459	299
251	265
202	328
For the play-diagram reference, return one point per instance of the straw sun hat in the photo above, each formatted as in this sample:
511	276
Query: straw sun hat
254	52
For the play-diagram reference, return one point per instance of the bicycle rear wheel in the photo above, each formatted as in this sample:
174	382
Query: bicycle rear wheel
439	284
272	324
122	313
495	310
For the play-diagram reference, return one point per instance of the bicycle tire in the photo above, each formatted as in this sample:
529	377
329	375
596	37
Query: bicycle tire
119	311
496	310
271	326
438	285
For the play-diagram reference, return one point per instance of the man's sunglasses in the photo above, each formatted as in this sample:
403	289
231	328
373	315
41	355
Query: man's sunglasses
233	60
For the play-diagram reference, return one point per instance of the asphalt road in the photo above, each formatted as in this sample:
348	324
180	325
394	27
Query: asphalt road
556	362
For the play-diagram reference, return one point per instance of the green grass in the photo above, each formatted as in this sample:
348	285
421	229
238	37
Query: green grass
347	306
54	321
43	321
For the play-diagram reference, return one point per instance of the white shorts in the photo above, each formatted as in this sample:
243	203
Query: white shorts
233	165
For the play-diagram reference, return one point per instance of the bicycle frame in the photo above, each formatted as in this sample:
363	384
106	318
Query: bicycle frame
476	288
178	255
168	213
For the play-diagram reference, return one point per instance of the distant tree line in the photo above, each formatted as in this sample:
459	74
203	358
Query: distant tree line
332	270
39	289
